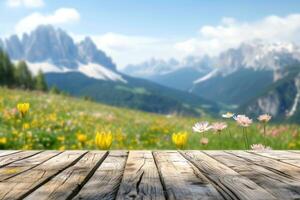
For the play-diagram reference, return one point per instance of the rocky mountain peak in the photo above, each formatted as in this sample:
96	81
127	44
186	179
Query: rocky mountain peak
47	44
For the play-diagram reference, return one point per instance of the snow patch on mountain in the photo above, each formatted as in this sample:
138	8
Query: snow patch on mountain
297	98
92	70
206	77
256	55
45	67
100	72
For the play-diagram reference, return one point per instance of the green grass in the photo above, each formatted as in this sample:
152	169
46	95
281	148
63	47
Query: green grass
53	117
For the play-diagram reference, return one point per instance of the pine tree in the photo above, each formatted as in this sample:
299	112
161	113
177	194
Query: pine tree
6	70
54	90
40	83
23	76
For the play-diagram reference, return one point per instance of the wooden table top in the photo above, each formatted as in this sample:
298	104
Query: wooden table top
162	175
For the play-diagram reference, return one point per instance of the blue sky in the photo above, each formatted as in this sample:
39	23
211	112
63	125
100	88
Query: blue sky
135	30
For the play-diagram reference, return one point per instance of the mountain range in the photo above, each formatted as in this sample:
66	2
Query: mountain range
244	78
81	69
255	77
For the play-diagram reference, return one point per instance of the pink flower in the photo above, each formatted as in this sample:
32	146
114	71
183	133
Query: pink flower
201	127
265	118
219	126
204	141
260	147
243	120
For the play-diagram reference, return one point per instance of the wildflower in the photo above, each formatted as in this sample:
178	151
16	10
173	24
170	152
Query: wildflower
82	138
103	140
180	139
265	118
62	148
3	140
26	126
204	141
243	120
201	127
219	126
62	138
228	115
291	145
259	147
23	108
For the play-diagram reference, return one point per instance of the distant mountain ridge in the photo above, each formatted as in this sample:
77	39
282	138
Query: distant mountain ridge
264	62
233	77
172	73
281	99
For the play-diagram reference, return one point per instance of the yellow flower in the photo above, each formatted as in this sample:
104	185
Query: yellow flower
103	140
180	139
291	145
61	148
61	138
82	138
3	140
26	126
23	108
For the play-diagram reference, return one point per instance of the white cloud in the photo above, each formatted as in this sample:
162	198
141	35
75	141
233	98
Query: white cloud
126	49
59	17
25	3
230	33
211	40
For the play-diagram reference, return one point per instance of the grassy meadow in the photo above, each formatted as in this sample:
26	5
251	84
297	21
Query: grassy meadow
60	122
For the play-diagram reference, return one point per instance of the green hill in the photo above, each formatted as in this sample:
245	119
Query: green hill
136	93
62	122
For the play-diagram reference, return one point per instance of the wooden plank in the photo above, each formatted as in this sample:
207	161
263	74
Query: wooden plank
280	186
23	165
141	179
68	182
181	179
283	156
20	186
227	181
105	182
8	152
8	159
275	166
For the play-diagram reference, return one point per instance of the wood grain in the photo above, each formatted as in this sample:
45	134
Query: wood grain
149	175
181	179
141	179
283	156
7	152
10	158
280	186
68	182
226	180
20	186
273	165
20	166
105	181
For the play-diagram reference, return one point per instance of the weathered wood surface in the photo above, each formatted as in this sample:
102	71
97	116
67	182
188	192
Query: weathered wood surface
228	181
105	182
149	175
277	184
141	178
181	179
